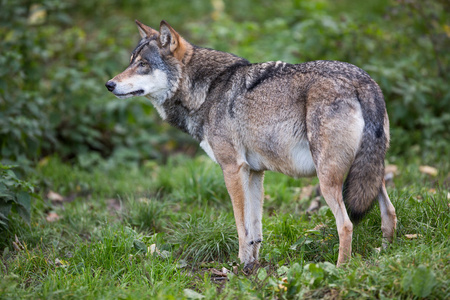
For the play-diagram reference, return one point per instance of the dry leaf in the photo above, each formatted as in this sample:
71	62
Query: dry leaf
58	263
306	192
448	196
218	273
144	200
152	249
52	217
55	197
432	191
18	246
428	170
319	227
391	169
412	236
235	270
282	287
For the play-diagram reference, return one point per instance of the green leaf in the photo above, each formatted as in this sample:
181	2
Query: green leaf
5	193
282	270
423	281
191	294
24	200
140	246
5	209
262	274
25	214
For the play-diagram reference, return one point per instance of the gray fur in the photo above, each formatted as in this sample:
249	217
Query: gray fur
322	117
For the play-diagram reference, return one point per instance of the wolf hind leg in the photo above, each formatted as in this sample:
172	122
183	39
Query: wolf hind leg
333	196
334	133
332	163
388	216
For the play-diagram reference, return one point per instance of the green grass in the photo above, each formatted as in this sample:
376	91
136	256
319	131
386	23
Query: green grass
99	246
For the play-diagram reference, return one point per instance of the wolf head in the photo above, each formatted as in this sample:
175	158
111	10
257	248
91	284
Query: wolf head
155	65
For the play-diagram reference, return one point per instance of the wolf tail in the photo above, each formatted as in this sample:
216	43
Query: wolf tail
365	176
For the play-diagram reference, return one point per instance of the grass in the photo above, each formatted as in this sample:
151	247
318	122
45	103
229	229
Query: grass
101	246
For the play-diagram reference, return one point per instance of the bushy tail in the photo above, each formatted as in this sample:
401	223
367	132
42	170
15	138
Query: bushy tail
365	176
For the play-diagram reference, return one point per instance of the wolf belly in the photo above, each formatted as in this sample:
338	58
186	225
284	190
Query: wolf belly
294	160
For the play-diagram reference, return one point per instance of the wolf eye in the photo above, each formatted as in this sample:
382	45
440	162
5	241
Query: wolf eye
143	64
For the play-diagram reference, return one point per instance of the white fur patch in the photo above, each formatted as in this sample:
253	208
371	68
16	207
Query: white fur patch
298	162
279	62
302	159
207	148
154	86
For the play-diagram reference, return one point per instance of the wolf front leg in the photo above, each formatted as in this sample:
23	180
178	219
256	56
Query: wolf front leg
246	191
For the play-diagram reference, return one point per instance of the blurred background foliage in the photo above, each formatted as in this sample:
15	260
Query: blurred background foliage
55	57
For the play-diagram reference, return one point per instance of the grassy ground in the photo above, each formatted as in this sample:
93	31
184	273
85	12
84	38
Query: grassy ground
167	231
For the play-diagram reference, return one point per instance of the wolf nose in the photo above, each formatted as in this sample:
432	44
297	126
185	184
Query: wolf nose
110	85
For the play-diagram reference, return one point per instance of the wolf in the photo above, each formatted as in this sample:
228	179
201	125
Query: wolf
319	118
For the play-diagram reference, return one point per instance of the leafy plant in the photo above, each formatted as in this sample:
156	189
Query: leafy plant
15	195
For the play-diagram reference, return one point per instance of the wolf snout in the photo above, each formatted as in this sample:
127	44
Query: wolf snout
110	85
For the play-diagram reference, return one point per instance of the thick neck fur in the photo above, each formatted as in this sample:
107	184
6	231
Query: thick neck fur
204	69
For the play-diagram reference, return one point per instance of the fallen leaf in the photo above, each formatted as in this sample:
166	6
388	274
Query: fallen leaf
448	196
52	217
282	287
428	170
319	227
391	169
306	192
412	236
235	270
55	197
225	270
17	244
377	250
152	249
432	191
191	294
60	263
144	200
218	273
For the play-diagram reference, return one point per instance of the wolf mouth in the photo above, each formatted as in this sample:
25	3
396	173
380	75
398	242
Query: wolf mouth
135	93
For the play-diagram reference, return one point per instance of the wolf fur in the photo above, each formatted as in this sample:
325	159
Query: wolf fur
324	118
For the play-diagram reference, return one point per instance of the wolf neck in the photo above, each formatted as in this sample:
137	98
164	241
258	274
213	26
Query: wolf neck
187	109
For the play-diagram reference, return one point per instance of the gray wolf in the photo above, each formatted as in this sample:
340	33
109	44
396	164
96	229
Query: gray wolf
324	118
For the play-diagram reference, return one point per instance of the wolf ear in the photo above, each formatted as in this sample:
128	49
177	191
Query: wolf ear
172	41
145	31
